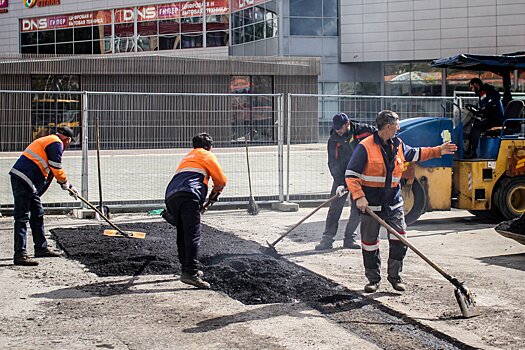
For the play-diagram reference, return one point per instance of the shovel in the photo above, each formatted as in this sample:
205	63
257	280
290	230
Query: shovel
464	297
117	232
271	246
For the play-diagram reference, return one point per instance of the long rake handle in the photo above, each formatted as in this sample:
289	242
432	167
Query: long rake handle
408	244
125	234
303	220
97	134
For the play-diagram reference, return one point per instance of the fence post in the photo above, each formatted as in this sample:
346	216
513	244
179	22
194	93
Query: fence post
280	145
288	142
85	147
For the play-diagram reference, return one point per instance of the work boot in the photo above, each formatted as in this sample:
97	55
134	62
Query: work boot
326	243
371	287
46	254
25	260
194	280
397	284
350	244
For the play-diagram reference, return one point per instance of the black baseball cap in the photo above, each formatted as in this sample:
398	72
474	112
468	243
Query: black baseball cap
66	131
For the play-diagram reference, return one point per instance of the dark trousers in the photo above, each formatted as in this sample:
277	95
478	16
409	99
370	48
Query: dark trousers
334	214
370	244
27	208
475	133
185	209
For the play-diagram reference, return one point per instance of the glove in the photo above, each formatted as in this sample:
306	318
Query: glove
214	197
65	185
74	192
340	191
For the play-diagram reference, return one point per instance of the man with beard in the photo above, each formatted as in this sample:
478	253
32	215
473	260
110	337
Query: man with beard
490	112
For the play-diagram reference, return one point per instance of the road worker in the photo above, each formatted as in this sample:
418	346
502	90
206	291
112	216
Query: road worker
344	137
373	177
30	177
185	196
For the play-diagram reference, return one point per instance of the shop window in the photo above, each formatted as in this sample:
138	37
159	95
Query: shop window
124	30
191	24
46	37
83	33
147	43
171	26
190	41
306	26
214	39
29	49
46	49
64	35
252	116
306	8
83	48
217	22
330	27
64	49
147	28
50	110
169	42
29	38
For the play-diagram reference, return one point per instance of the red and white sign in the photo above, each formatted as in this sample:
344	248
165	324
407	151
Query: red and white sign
81	19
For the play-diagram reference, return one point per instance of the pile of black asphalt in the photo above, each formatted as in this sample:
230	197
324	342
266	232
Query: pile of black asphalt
516	225
246	272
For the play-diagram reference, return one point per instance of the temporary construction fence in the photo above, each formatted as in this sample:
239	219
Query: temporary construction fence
143	136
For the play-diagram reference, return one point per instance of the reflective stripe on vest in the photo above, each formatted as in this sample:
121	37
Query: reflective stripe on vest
39	159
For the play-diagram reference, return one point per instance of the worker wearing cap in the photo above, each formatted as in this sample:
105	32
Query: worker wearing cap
30	177
185	196
373	177
344	137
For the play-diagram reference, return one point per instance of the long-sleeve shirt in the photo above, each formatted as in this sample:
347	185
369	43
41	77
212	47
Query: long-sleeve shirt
193	174
42	157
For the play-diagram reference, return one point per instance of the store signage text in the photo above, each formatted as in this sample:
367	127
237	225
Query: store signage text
40	3
66	21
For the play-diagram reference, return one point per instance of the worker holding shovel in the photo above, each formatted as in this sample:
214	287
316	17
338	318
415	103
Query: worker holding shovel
185	198
373	177
31	176
344	137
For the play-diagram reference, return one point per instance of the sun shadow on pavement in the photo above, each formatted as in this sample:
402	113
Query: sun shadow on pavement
257	314
513	261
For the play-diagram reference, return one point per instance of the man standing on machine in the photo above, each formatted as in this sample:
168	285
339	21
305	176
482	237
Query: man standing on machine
488	115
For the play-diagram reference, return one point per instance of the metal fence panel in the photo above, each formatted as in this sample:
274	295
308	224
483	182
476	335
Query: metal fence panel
144	136
307	173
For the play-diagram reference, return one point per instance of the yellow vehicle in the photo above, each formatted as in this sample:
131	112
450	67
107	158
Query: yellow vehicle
48	113
489	186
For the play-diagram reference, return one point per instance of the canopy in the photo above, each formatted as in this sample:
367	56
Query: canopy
492	63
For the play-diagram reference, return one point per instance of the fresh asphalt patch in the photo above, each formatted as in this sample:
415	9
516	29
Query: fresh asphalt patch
242	270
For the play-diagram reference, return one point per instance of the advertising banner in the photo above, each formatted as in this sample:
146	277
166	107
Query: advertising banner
81	19
3	6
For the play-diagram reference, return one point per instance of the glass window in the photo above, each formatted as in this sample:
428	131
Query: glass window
83	47
102	46
171	26
330	8
101	32
46	49
64	49
237	36
191	24
248	16
29	38
521	81
46	37
147	43
305	26
169	42
124	30
83	33
190	41
306	8
248	34
259	31
330	27
124	44
29	49
217	22
64	35
217	39
147	28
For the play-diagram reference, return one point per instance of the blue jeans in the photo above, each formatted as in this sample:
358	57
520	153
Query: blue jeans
27	207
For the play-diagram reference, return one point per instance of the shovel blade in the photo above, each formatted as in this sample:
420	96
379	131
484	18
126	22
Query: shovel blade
130	234
466	302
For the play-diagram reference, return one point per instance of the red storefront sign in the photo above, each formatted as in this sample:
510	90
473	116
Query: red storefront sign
66	21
